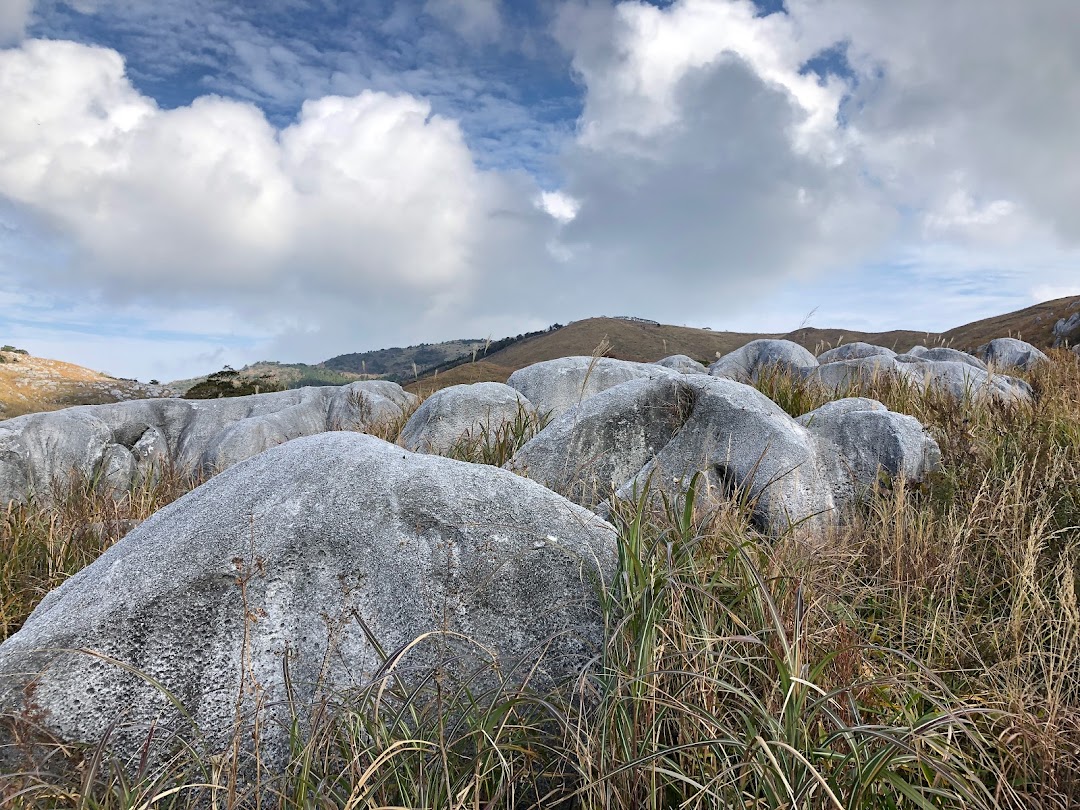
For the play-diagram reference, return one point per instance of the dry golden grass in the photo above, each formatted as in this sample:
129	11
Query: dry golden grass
33	384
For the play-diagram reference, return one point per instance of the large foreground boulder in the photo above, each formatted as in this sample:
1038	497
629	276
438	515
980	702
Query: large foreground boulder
555	386
318	553
746	363
659	433
859	439
123	442
452	413
1008	353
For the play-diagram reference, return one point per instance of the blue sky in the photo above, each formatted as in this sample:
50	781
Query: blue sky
188	184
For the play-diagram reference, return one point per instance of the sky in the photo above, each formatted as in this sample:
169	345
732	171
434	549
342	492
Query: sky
185	185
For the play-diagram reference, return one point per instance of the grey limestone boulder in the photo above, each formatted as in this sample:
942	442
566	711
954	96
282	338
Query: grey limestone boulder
594	448
964	381
682	363
117	470
858	439
451	413
659	433
944	354
746	446
555	386
363	405
1007	353
840	375
39	451
228	432
315	550
1067	330
746	363
854	351
47	447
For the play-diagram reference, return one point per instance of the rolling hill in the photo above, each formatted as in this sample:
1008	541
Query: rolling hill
645	341
32	384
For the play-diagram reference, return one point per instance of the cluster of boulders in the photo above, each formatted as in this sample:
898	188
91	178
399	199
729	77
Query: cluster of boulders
333	550
120	444
952	371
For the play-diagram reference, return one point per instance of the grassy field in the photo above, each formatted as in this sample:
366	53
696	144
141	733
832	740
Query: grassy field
928	656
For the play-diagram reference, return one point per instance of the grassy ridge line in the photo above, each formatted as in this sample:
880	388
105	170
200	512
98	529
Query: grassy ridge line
927	656
646	342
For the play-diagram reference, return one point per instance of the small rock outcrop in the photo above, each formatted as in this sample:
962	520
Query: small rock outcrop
853	351
555	386
1067	331
1006	353
451	413
41	450
860	438
682	363
746	363
316	550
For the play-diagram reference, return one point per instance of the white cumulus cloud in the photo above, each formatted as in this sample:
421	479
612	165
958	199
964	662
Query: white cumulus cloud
360	193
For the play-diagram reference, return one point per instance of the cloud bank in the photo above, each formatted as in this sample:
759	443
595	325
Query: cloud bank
722	160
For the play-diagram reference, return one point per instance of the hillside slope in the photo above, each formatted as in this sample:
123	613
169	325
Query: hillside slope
647	342
1034	324
31	384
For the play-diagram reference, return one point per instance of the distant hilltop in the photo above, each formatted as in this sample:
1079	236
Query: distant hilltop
30	384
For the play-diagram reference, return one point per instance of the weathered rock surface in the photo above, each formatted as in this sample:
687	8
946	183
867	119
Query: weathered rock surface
746	445
958	379
40	450
555	386
597	446
1006	353
962	380
661	432
839	375
452	412
747	362
287	553
943	354
682	363
853	351
858	439
1066	330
